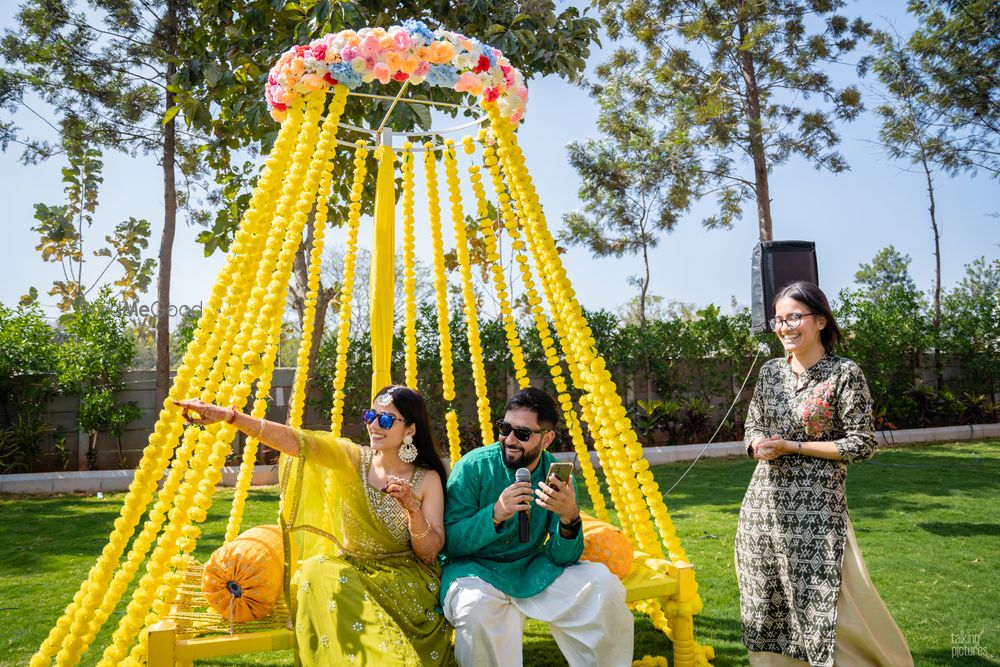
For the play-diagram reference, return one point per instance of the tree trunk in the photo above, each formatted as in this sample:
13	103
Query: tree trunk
756	139
169	225
938	369
642	323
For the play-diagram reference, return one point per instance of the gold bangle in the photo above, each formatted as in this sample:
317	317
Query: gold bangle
260	431
417	536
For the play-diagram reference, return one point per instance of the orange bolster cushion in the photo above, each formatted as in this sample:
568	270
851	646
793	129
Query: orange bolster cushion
246	575
607	544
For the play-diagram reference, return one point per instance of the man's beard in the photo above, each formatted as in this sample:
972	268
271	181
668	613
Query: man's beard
523	459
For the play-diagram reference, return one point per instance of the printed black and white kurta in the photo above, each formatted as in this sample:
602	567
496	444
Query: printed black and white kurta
793	521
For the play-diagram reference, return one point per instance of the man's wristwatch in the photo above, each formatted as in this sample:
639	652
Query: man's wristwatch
573	526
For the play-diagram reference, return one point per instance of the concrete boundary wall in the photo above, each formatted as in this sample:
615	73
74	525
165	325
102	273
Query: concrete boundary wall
118	480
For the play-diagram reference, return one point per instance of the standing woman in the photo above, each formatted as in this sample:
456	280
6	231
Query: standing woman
805	593
366	524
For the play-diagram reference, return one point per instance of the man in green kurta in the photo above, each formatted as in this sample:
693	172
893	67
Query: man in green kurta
492	581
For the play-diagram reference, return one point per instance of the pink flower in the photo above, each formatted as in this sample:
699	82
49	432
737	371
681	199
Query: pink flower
401	39
370	46
508	75
422	69
491	94
319	52
468	82
348	54
381	72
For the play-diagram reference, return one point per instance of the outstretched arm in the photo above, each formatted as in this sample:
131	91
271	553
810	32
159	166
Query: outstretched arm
274	435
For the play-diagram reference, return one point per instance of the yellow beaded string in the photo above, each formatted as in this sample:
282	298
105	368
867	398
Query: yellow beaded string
205	472
598	378
632	512
468	292
325	151
509	218
347	288
409	270
493	257
441	294
646	489
74	631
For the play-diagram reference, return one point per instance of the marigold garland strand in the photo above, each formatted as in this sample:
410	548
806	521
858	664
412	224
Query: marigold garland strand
509	218
409	270
347	288
486	228
74	632
441	295
205	473
323	162
468	292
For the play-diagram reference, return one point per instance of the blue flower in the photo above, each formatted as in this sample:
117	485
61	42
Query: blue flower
418	29
343	73
444	76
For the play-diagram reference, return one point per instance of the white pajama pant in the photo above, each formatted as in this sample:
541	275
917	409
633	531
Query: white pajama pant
584	608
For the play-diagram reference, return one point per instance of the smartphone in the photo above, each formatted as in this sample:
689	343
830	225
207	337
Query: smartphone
561	470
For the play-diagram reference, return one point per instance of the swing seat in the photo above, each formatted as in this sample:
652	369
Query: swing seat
192	631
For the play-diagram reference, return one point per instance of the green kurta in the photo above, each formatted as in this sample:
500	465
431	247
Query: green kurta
474	548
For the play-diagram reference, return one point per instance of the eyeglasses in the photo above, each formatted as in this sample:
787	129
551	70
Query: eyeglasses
521	433
792	321
385	419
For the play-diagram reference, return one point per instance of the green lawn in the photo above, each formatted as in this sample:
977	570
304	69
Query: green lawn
925	517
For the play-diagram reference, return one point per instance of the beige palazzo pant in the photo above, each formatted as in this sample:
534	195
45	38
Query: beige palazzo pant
867	635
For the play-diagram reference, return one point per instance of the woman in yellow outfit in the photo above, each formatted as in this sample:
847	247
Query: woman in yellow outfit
367	523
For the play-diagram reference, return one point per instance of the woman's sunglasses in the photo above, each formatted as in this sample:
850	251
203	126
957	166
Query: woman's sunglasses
521	433
385	420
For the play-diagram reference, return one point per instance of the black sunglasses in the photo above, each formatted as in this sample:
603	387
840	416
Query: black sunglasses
521	433
385	420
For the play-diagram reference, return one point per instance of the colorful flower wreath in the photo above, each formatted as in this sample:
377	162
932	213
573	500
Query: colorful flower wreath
410	52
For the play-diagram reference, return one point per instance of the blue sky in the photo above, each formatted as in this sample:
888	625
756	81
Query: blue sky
849	216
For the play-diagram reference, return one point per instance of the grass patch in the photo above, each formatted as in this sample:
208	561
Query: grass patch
924	516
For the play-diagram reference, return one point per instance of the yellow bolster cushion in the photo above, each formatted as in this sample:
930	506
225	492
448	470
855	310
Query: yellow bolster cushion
604	543
246	575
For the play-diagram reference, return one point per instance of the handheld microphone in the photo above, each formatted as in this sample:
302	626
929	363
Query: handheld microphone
523	528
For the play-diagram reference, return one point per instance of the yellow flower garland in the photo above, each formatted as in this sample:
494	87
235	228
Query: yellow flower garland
205	473
641	490
409	270
441	295
541	323
347	288
297	403
468	292
493	257
74	631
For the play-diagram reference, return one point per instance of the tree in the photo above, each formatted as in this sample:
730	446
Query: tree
629	198
957	46
888	269
914	130
725	78
225	63
106	70
62	230
971	326
97	349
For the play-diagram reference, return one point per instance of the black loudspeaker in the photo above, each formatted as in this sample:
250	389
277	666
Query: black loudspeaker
774	265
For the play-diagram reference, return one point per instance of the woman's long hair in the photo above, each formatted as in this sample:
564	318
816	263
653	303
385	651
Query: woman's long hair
412	406
810	295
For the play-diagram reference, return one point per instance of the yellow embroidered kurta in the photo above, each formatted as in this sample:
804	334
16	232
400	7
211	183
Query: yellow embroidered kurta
362	596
